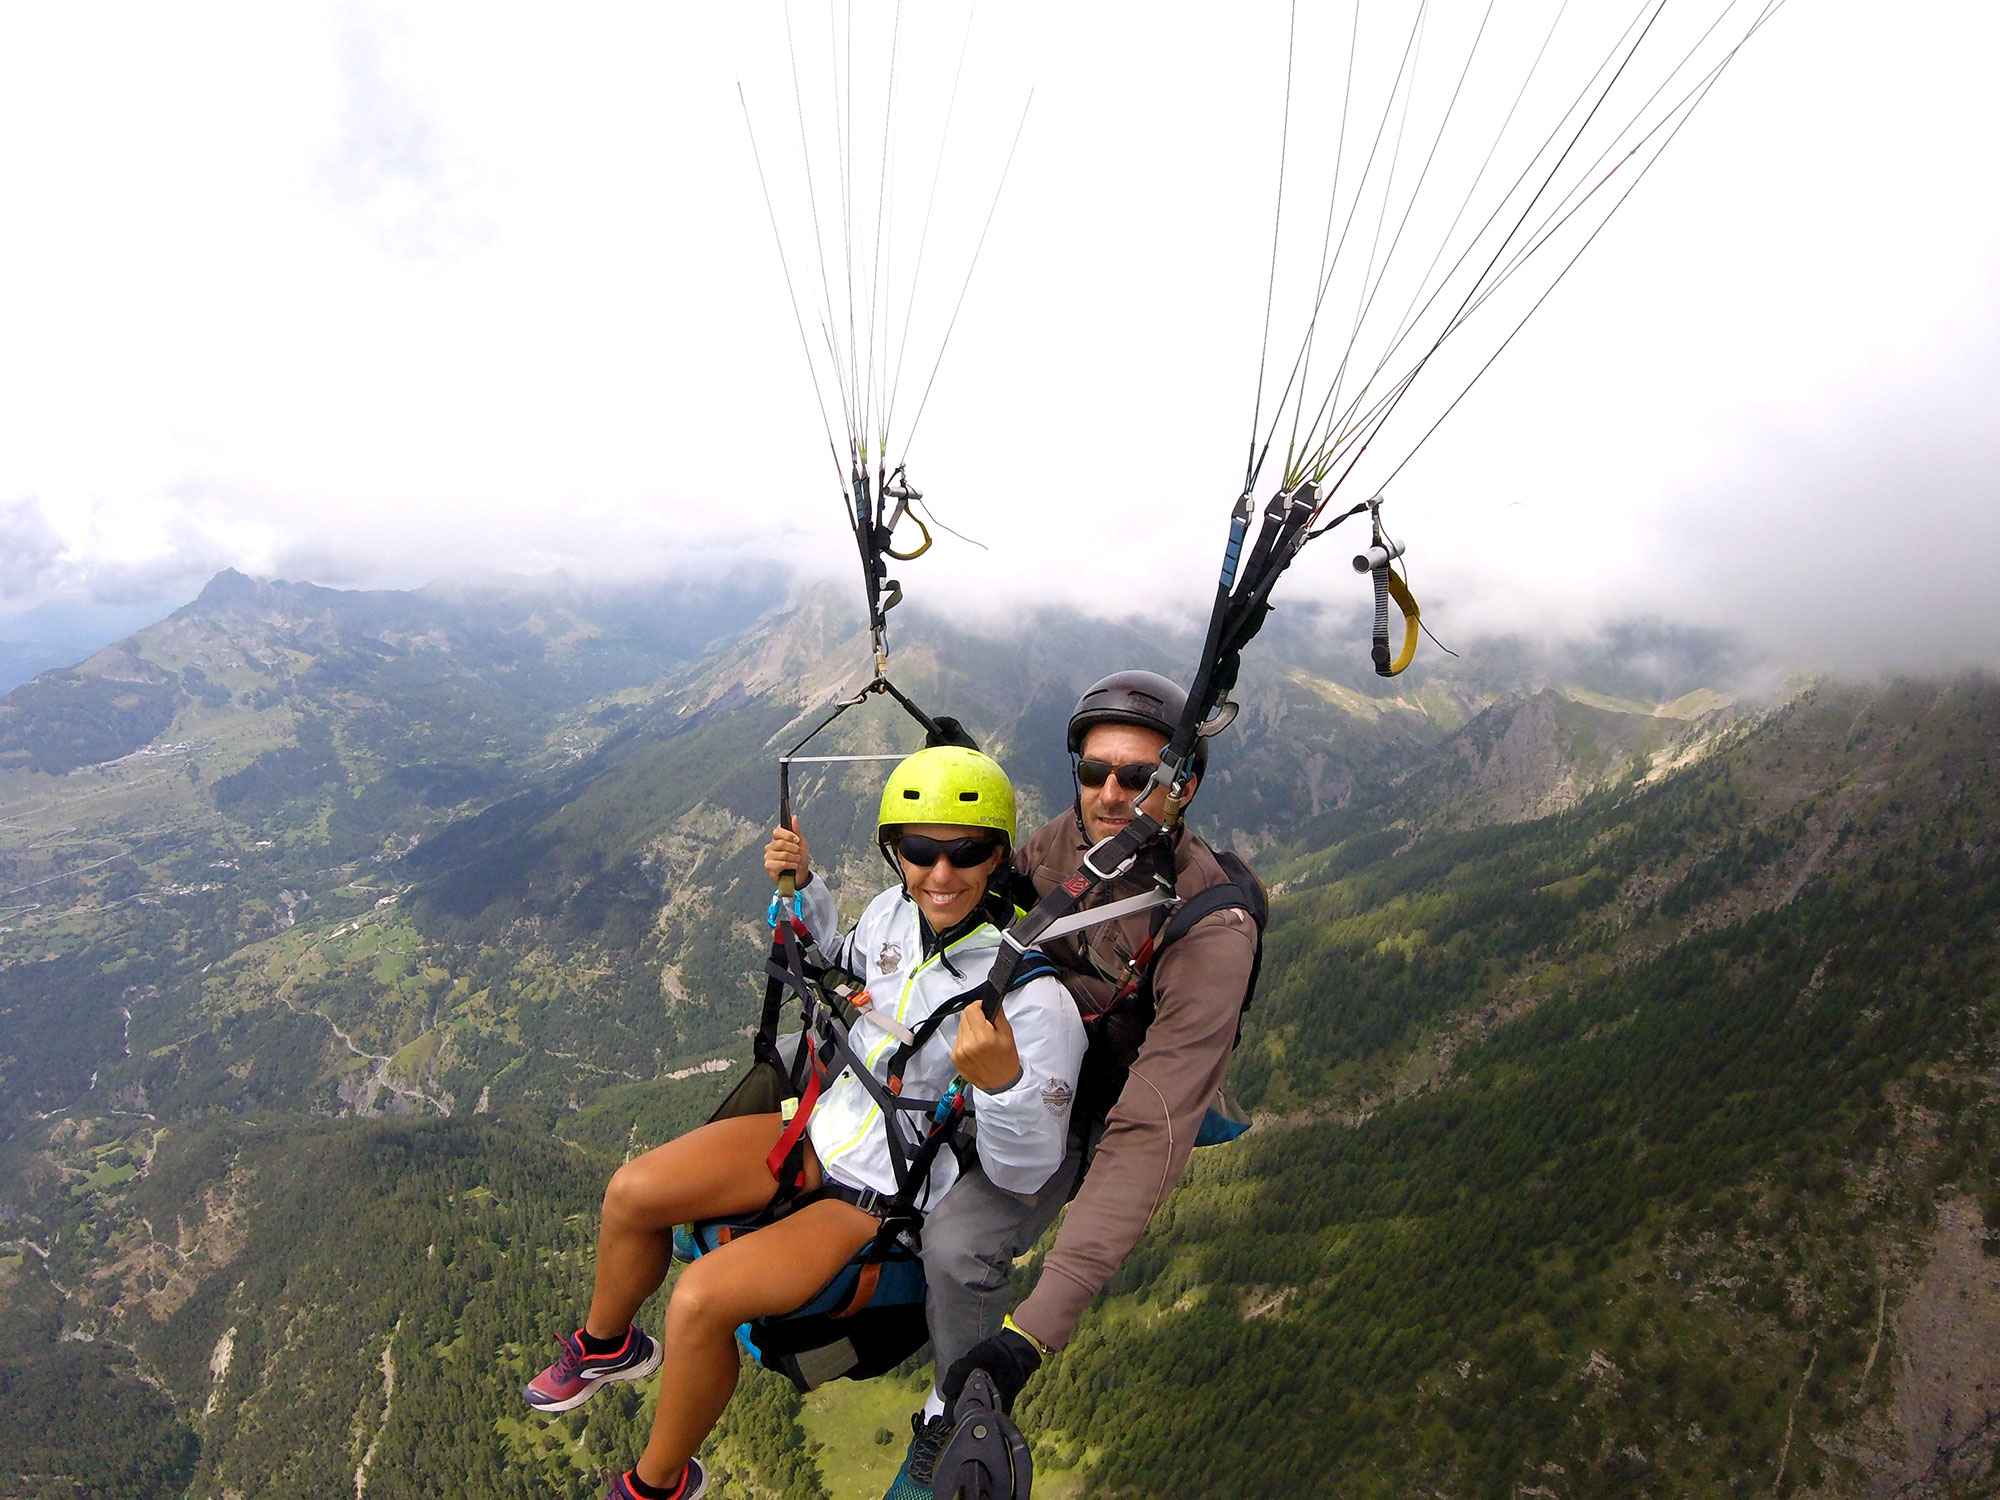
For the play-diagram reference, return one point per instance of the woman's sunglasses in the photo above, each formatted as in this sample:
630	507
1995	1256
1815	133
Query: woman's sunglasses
963	854
1132	776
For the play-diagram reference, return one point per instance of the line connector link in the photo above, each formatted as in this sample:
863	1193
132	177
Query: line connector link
1382	552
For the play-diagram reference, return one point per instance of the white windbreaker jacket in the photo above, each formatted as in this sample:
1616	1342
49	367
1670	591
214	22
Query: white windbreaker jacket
1023	1130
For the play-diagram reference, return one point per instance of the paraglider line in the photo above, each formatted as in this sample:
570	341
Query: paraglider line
1714	77
812	369
819	241
1254	464
923	239
958	305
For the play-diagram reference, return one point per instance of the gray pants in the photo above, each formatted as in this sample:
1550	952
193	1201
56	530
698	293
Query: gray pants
971	1238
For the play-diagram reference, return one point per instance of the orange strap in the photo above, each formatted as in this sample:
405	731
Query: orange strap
864	1290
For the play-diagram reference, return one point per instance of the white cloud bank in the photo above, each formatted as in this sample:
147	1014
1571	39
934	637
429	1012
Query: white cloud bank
370	296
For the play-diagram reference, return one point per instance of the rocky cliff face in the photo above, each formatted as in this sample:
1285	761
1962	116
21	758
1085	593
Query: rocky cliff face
1542	753
1947	1353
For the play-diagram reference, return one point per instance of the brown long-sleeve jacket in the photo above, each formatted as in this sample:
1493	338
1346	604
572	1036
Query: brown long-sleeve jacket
1198	986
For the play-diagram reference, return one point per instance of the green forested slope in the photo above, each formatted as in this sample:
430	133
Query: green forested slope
1689	1142
308	1297
1702	1167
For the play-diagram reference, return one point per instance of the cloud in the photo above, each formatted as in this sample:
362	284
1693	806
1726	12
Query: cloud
391	163
371	295
1861	538
166	545
112	554
31	550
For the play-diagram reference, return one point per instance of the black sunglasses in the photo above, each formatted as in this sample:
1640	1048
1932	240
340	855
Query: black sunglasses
1133	776
924	851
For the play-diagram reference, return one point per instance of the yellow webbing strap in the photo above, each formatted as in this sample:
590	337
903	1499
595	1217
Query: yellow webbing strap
1399	591
921	548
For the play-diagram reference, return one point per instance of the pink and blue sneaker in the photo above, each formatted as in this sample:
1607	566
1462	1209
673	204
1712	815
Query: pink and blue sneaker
575	1377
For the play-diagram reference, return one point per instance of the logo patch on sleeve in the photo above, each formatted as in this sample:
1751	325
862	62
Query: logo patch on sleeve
1057	1096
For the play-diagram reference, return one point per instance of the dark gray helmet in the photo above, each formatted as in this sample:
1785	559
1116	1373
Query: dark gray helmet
1133	697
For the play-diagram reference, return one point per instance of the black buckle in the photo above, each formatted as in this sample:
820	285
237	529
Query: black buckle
870	1201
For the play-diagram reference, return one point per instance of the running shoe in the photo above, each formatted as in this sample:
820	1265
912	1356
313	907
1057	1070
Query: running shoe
694	1484
927	1439
572	1379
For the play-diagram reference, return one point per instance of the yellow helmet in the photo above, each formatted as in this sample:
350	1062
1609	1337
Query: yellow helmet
949	784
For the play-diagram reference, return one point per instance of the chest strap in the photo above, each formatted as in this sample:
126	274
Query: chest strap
1110	912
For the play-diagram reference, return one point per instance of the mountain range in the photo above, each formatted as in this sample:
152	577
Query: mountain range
1624	1066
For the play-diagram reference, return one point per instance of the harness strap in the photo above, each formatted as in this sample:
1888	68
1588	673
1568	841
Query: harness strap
1019	939
837	1057
1110	912
794	1131
948	1113
864	1290
1039	966
901	1211
1166	904
870	1201
834	1056
928	1028
898	1211
823	1056
877	1016
1135	979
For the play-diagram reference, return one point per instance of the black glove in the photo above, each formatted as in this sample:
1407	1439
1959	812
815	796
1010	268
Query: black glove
949	732
1007	1357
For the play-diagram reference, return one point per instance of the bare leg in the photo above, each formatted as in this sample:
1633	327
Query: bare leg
778	1268
715	1170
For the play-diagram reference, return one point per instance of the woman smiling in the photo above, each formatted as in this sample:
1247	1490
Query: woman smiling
946	824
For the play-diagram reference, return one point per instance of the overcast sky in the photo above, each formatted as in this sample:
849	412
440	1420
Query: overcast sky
373	294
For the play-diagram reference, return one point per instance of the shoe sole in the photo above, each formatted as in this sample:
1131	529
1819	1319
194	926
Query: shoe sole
696	1493
639	1371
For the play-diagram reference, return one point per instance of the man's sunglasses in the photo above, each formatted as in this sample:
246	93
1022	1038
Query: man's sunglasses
963	854
1133	776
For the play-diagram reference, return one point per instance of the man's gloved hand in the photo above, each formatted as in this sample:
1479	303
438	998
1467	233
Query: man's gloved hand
1010	1357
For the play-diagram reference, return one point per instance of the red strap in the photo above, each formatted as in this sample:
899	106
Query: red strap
790	1136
